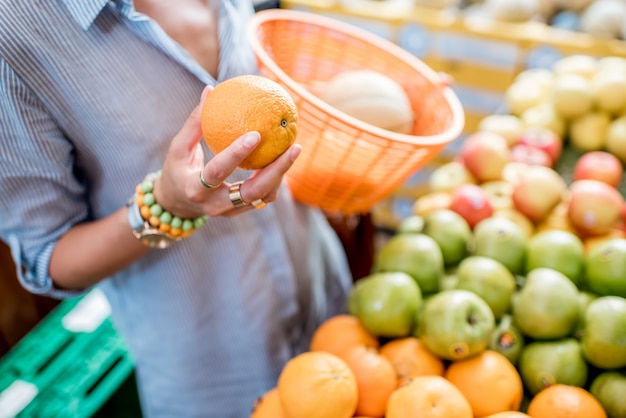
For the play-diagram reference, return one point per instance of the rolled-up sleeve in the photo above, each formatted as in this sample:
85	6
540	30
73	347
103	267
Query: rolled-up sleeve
41	195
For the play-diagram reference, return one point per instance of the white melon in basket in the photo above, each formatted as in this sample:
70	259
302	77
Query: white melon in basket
371	97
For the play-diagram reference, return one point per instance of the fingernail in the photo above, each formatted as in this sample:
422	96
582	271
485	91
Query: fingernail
205	93
251	139
295	151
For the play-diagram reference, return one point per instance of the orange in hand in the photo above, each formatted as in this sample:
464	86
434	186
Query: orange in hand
250	103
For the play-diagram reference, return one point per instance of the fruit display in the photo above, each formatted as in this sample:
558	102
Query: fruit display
503	294
455	321
561	168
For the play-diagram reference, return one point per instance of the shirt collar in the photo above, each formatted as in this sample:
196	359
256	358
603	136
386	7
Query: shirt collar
85	12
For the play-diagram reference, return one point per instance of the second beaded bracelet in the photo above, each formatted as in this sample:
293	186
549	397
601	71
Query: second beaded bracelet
152	212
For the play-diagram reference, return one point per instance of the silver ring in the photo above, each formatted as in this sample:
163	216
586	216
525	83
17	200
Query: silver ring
258	204
205	184
234	194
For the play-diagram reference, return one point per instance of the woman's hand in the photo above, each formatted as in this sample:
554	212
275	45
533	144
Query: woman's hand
180	190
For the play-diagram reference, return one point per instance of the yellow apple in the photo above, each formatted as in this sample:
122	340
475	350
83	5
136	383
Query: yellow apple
485	154
449	176
589	132
572	96
428	203
499	193
609	90
616	138
523	95
508	126
545	115
580	64
538	192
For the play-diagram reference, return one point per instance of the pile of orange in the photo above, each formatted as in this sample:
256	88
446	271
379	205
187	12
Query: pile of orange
350	373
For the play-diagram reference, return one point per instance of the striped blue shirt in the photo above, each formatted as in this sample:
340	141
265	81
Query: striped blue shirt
91	93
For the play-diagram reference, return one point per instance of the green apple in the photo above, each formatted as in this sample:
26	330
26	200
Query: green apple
604	335
546	363
546	307
609	388
387	304
605	267
556	249
503	240
413	224
451	232
417	255
506	339
456	324
490	280
584	299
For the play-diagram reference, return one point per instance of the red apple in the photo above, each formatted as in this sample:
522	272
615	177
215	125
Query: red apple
472	203
530	155
538	192
599	165
485	154
543	138
595	208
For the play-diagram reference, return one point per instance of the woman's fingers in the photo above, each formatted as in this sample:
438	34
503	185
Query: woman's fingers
186	142
261	188
265	183
217	170
269	178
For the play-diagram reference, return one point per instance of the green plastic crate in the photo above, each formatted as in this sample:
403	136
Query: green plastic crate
69	365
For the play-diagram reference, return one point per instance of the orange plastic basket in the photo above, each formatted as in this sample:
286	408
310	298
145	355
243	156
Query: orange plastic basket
348	166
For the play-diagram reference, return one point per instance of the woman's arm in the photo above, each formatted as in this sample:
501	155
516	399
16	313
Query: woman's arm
92	251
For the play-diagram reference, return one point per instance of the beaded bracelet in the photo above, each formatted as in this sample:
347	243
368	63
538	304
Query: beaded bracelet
173	226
